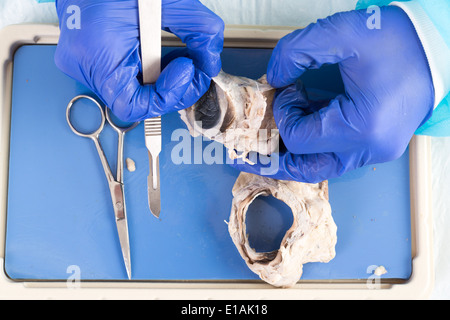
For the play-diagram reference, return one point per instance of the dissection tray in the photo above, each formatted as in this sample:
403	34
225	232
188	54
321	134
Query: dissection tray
59	217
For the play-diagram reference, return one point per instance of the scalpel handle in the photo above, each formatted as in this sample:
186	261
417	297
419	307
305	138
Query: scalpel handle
150	17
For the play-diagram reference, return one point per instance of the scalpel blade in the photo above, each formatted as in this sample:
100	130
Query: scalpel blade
153	185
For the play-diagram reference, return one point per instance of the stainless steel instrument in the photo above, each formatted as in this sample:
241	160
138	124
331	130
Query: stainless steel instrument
150	37
153	143
116	186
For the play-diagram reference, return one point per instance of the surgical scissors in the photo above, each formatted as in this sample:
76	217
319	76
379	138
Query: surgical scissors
116	186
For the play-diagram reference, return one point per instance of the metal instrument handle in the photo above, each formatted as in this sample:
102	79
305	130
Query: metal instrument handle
121	131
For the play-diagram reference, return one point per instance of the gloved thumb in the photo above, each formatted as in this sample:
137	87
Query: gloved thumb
324	42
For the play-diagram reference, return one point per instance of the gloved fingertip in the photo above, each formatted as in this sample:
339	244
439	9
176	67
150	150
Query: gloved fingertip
290	96
215	68
197	88
283	68
272	77
174	81
280	81
209	62
181	68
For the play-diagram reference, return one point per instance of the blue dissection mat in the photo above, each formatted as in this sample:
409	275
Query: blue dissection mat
60	216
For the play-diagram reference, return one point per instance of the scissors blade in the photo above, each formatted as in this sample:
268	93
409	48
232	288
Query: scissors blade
122	229
118	198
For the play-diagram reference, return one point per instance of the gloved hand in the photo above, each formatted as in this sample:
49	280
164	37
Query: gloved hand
104	55
388	94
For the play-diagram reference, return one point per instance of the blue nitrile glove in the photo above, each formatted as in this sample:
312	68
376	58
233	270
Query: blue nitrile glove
104	54
389	94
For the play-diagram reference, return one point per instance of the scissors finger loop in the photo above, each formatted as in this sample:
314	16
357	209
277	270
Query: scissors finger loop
118	128
93	134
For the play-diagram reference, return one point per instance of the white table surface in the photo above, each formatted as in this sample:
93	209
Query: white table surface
300	13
